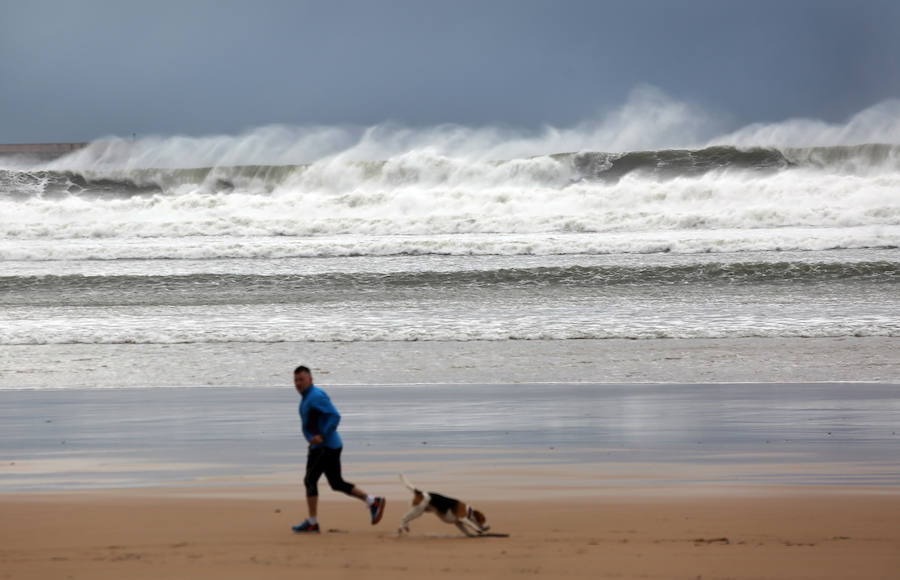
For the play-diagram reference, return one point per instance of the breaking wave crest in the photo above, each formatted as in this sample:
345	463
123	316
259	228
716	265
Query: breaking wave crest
428	170
719	188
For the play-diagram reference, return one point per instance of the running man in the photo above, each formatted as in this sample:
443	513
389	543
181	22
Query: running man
320	420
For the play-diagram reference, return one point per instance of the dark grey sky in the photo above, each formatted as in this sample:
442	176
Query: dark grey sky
79	70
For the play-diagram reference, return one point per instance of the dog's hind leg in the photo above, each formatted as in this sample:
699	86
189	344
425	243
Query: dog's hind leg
416	510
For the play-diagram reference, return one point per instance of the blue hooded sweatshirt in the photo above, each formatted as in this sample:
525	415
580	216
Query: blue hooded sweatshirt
320	417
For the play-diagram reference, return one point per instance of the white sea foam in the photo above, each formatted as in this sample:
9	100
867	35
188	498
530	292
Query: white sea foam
441	199
401	321
280	247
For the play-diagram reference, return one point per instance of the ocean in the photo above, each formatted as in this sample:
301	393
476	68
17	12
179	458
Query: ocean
155	297
713	243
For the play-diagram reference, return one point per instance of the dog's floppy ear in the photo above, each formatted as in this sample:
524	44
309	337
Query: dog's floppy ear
479	517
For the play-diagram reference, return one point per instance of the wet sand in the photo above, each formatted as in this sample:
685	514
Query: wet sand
675	435
245	533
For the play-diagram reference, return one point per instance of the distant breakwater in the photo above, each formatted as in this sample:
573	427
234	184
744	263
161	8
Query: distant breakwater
42	151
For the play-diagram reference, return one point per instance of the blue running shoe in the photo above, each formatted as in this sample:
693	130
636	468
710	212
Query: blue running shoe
306	527
377	509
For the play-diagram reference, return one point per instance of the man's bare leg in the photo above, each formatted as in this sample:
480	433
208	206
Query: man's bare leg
312	503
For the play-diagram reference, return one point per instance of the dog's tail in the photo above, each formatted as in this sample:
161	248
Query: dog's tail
407	483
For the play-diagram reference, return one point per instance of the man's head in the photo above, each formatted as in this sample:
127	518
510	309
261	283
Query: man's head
302	379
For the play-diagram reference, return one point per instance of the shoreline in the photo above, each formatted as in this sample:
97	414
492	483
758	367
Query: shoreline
683	361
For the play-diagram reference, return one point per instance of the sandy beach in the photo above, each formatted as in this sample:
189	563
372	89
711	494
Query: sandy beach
245	533
590	480
741	481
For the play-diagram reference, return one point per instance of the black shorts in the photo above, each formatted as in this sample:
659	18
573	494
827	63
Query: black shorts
328	461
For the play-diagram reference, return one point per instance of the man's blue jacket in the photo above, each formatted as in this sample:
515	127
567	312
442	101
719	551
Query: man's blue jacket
320	417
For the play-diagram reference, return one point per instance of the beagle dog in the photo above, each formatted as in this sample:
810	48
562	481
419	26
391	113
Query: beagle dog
446	508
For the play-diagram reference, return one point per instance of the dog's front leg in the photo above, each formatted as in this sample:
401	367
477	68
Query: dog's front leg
478	529
463	528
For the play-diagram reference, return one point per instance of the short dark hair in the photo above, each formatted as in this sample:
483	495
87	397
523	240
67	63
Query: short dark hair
303	369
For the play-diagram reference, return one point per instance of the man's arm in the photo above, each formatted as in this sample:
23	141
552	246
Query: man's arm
328	419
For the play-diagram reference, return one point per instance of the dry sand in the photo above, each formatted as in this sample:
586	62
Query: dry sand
765	532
